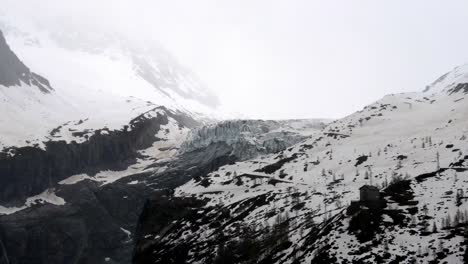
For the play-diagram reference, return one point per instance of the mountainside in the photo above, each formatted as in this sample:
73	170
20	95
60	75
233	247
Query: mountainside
38	150
68	217
123	121
113	118
90	70
110	149
305	204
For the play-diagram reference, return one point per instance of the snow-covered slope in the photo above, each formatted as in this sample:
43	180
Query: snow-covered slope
101	80
292	206
449	82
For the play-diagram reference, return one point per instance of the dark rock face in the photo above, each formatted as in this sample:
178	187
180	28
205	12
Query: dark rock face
196	164
461	87
87	229
98	223
272	168
13	71
31	170
158	214
360	160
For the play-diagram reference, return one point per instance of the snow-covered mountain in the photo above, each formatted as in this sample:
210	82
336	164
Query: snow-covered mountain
452	82
112	122
101	79
96	109
93	123
92	100
297	206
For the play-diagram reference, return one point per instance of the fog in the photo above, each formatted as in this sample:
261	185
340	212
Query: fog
286	59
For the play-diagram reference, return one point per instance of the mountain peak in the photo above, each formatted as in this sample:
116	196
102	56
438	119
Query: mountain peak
13	72
451	82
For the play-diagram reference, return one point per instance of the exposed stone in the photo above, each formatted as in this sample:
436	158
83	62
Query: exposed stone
31	170
13	71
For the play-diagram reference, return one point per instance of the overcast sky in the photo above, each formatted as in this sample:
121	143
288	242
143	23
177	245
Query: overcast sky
291	58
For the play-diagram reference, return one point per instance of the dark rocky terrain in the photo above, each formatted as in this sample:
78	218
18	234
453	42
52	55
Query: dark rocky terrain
90	227
94	221
28	171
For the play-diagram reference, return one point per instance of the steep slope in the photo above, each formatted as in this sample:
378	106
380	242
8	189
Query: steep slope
13	71
92	72
29	171
68	153
29	109
295	206
111	96
451	82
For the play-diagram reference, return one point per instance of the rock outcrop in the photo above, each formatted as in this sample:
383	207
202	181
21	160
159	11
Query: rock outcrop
13	72
30	170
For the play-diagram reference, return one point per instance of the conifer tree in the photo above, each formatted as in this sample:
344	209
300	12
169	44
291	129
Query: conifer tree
434	228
